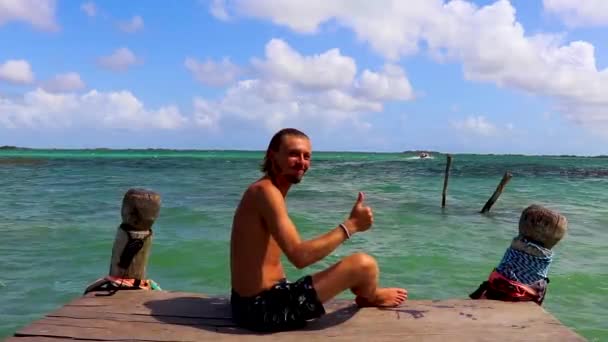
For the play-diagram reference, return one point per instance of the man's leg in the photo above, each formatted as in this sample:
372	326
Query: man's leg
359	273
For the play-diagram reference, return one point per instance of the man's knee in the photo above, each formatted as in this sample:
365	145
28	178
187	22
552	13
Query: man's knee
364	263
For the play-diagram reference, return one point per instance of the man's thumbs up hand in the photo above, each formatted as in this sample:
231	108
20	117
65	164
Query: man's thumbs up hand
361	216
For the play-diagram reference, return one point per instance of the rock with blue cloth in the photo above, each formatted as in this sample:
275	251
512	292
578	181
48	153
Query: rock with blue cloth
522	274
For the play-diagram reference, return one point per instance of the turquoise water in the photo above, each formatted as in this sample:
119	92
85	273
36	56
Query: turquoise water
59	212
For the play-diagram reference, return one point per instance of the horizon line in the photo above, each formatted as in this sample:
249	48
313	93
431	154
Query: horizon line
18	148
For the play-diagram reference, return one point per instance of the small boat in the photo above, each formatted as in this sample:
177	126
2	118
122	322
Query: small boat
423	155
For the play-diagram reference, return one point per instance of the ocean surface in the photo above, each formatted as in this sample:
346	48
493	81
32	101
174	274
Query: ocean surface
59	211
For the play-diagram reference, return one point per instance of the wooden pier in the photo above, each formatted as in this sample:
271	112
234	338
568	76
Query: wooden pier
149	315
139	315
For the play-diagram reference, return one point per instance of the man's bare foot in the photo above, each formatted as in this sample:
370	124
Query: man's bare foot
385	297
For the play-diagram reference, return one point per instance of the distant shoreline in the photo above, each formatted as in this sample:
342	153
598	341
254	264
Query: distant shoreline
106	149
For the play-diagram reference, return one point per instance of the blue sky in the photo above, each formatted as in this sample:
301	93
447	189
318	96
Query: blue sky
455	76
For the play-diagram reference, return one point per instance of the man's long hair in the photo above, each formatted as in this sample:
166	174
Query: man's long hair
275	144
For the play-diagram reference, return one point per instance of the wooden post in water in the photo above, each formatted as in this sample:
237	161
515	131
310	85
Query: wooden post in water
503	182
140	207
445	180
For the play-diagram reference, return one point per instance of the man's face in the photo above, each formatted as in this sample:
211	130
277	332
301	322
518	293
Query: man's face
293	158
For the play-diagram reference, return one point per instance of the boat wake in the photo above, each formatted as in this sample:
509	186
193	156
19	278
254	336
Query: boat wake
420	158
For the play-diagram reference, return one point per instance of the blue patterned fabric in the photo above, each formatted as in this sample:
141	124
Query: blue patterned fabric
523	267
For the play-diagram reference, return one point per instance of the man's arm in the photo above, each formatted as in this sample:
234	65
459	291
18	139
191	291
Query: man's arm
300	253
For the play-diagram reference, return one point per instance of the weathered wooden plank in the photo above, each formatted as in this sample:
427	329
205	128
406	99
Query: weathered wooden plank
116	331
163	303
92	313
175	316
45	339
158	303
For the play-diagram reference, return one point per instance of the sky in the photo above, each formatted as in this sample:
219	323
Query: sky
519	76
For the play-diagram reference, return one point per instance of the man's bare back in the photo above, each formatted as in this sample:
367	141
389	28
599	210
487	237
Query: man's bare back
262	231
255	255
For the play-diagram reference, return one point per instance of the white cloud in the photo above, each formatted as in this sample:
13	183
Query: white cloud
122	110
218	9
390	84
345	102
120	59
253	102
579	13
205	115
64	83
135	24
16	71
478	125
591	116
489	42
317	91
323	71
213	73
89	8
38	13
303	17
275	95
392	28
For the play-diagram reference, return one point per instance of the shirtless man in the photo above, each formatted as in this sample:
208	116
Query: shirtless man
262	299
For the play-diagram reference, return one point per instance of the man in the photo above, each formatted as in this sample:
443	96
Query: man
261	298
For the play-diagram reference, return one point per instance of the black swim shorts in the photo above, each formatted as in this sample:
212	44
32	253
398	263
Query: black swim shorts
285	306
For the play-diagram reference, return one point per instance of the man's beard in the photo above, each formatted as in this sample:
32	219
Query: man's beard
292	179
